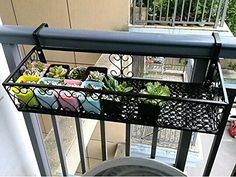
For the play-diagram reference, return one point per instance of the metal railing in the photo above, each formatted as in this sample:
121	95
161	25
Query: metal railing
126	43
179	12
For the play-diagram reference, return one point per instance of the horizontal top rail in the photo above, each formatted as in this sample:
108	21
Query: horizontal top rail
193	46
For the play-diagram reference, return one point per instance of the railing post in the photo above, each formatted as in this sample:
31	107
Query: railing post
198	75
217	139
13	57
218	14
60	147
174	14
224	13
234	171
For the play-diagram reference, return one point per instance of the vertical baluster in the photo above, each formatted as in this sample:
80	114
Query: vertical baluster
189	10
134	12
182	10
147	10
167	11
103	140
140	9
174	15
161	11
80	137
224	13
154	12
154	143
234	171
127	140
217	139
203	12
218	14
212	7
195	17
60	148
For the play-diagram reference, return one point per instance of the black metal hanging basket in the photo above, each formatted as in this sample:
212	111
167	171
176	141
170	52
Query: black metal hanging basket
190	106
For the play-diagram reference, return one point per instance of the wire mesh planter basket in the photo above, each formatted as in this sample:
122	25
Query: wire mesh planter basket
190	106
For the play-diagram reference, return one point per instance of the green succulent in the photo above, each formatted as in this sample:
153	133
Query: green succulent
96	76
57	72
77	73
155	89
111	84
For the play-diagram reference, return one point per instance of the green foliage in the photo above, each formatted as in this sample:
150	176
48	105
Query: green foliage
155	89
231	16
232	66
96	76
57	72
111	84
77	73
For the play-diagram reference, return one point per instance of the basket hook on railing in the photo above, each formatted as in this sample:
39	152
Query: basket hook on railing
36	39
215	58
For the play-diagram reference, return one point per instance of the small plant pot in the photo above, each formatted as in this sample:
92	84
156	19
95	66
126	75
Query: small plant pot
111	107
148	111
26	96
68	100
66	67
91	104
46	96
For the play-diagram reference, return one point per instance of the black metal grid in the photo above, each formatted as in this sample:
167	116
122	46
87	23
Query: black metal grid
193	107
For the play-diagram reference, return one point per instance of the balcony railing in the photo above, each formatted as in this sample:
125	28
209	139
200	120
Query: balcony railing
179	12
206	48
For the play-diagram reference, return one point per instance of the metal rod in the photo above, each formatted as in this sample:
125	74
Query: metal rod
147	10
218	14
127	140
212	7
234	171
194	46
224	13
174	14
60	148
203	12
36	138
161	10
195	17
154	143
103	140
182	10
183	147
140	9
217	139
134	12
167	11
79	131
189	10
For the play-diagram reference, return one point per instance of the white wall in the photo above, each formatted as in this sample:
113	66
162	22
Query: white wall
16	153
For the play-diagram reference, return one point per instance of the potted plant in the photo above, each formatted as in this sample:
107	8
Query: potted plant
57	71
47	97
149	108
90	101
36	68
112	104
69	98
77	73
26	95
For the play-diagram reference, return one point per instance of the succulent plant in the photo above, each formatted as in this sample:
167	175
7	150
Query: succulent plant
112	84
77	73
96	76
57	72
155	89
35	69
